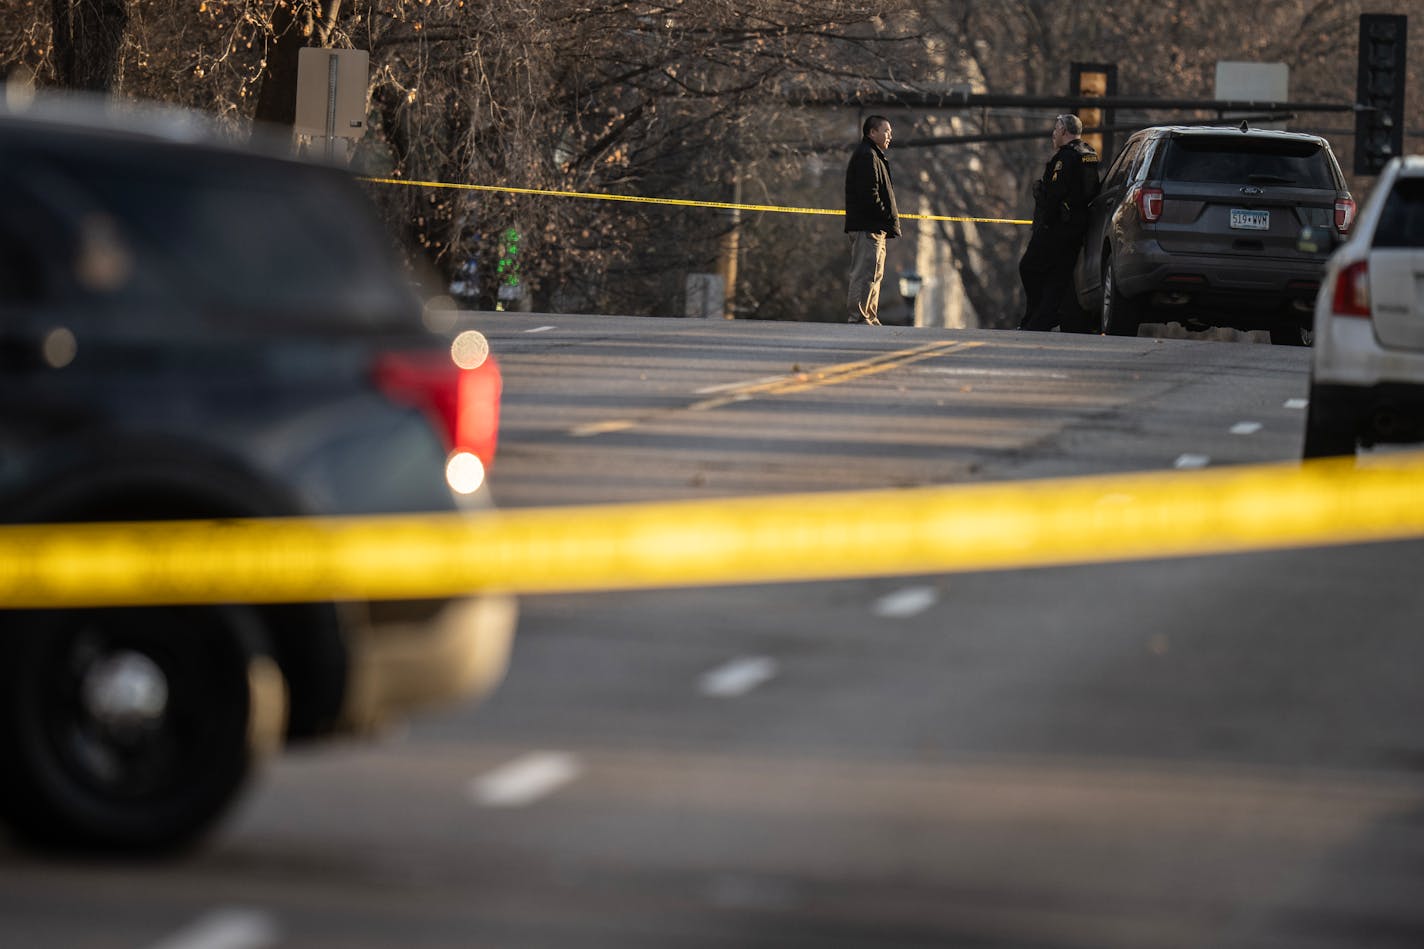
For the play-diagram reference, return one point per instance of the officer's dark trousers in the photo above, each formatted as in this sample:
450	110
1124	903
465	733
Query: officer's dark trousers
1046	270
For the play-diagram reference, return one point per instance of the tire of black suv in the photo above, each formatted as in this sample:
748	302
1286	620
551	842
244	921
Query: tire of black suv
1076	320
1119	314
1325	435
1292	334
132	729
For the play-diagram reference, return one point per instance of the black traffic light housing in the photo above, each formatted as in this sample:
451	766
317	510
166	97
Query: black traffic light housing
1379	91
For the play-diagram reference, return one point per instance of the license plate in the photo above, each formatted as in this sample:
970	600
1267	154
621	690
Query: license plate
1250	220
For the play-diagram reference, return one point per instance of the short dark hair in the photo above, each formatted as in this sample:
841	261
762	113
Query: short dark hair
871	122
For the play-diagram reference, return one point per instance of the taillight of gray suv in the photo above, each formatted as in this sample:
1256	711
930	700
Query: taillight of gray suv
1198	225
192	331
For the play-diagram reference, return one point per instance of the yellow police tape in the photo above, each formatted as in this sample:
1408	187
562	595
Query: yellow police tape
742	540
676	202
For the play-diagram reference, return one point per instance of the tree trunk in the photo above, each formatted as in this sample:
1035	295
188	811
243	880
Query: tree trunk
88	39
295	26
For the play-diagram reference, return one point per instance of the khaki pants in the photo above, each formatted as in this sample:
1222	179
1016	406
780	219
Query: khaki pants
867	267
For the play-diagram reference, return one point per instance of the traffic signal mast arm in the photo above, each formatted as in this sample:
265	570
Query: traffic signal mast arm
912	99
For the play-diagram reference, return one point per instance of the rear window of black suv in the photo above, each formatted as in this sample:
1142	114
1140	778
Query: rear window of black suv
1258	161
167	233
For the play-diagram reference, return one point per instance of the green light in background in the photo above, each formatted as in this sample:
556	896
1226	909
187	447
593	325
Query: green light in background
508	267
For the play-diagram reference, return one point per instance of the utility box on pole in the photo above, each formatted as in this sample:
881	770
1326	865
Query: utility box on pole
331	94
705	297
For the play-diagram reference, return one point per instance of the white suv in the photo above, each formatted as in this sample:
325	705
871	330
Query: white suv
1367	382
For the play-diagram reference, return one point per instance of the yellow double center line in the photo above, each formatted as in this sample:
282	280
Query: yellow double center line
835	375
796	382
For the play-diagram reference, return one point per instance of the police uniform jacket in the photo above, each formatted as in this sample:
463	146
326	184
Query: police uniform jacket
1069	182
869	192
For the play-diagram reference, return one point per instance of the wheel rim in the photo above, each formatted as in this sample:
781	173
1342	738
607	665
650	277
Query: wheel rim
125	692
114	725
136	706
134	728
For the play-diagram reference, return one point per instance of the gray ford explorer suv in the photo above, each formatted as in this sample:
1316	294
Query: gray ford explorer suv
1198	225
195	331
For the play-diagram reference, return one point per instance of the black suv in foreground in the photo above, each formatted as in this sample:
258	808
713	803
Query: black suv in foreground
1199	225
190	330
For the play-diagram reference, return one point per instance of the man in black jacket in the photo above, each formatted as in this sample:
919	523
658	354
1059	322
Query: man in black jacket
1060	221
871	218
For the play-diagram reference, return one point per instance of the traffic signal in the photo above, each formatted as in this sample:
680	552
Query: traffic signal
1379	91
507	270
1096	80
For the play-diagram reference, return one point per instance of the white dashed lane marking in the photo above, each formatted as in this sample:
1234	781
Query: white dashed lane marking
906	602
540	329
1245	428
226	929
738	677
1296	403
525	780
1192	461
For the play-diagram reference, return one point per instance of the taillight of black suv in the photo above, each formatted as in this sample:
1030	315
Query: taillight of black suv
461	395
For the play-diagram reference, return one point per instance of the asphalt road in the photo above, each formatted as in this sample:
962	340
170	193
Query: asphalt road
1216	752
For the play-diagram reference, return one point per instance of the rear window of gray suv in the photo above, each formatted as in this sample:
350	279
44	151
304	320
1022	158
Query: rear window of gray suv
1256	161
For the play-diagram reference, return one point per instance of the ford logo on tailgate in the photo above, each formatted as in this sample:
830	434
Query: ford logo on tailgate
1251	189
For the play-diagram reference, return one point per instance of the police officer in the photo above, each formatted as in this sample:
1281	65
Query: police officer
1060	220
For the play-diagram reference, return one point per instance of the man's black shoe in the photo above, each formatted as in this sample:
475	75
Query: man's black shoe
870	322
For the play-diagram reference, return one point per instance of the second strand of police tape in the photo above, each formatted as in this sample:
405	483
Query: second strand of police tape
677	202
